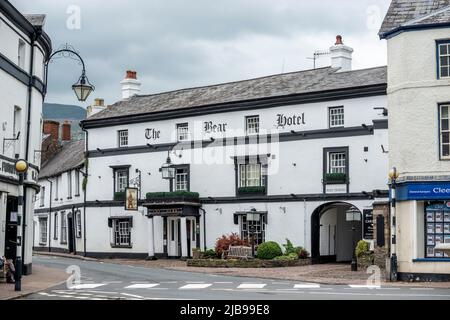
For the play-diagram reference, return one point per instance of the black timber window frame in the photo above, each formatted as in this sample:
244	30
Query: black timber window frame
77	183
443	58
256	123
330	118
184	135
326	166
262	161
116	224
187	168
116	170
55	226
123	138
444	130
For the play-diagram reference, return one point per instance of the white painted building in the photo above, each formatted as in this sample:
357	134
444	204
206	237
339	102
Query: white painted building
24	47
298	149
418	38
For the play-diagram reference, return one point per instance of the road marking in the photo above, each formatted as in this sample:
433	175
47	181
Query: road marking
359	286
306	286
422	289
88	286
196	286
142	286
251	286
132	296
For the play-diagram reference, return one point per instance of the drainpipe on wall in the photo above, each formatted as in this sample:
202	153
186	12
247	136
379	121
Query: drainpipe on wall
85	176
204	228
50	217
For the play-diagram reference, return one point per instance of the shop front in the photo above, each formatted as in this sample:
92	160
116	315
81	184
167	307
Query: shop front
423	223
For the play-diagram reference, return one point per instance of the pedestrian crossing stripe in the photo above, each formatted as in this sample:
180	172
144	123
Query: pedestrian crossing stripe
252	286
142	286
88	286
306	286
196	286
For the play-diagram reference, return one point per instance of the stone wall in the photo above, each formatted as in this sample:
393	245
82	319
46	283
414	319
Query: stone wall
252	263
381	253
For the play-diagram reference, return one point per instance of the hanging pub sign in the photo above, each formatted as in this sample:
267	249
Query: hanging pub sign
131	199
288	121
152	134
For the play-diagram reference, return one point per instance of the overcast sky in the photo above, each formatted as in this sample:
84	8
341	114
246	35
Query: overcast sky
175	44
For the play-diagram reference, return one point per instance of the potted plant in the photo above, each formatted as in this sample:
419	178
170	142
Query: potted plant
336	178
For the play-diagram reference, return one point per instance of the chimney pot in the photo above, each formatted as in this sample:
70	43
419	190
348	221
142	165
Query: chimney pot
52	128
131	75
131	86
341	56
338	40
99	102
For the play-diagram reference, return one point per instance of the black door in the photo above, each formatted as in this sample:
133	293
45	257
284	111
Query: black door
188	233
70	234
11	228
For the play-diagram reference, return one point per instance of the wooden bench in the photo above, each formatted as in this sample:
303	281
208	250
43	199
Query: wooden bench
240	252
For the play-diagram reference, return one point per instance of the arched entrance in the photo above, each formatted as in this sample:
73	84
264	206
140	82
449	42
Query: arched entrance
334	234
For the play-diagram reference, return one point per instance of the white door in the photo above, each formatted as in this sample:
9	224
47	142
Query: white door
173	240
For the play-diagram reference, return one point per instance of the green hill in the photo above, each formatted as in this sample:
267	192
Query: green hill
54	111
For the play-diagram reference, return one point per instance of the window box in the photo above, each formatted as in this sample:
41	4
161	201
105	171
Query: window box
119	196
180	196
335	178
252	191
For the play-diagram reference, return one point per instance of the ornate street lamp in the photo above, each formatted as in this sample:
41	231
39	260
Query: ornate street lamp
393	176
168	171
82	88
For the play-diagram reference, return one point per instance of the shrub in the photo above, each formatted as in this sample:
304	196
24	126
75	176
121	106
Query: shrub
223	243
288	247
269	250
172	195
210	254
302	253
362	248
251	190
335	177
119	196
290	257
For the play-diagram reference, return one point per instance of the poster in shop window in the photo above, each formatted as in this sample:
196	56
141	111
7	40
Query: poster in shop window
430	216
131	199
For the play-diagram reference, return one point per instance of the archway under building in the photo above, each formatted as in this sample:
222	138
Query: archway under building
336	228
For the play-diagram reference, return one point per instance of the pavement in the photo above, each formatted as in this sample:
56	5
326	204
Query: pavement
42	278
100	280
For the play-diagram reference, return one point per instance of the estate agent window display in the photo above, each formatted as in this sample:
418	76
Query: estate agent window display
437	228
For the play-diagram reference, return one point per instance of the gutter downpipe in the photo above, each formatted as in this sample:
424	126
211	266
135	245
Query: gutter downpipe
50	217
85	176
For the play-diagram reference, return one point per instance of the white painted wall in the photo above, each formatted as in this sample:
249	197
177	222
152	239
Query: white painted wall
414	93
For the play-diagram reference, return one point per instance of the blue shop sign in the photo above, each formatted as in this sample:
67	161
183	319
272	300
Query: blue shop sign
424	191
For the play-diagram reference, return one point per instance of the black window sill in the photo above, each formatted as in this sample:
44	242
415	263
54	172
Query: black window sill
69	198
121	247
42	244
77	195
64	243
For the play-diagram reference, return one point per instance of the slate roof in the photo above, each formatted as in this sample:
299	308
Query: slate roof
403	13
70	156
309	81
37	20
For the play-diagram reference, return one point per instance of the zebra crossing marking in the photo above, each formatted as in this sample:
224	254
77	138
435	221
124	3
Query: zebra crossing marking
142	286
88	286
307	286
251	286
196	286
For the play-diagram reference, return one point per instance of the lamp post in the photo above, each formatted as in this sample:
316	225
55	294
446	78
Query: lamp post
82	88
393	176
168	171
21	167
353	214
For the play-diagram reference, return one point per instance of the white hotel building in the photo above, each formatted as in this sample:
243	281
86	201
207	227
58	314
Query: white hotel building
24	47
298	149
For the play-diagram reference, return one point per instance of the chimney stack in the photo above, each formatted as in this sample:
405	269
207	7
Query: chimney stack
66	132
99	105
52	128
131	86
341	55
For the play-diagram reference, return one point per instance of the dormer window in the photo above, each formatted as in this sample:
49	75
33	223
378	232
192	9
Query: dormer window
444	59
